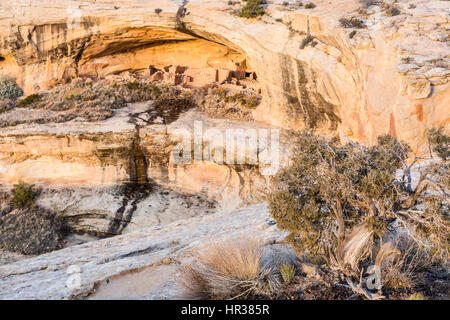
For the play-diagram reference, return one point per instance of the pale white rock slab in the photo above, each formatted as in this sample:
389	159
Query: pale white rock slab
46	276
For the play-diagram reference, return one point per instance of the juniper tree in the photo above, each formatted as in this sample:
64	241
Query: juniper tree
337	200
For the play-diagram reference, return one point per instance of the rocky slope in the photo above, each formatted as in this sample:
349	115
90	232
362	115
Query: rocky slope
148	249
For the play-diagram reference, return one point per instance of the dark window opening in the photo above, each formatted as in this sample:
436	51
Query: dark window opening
2	58
250	75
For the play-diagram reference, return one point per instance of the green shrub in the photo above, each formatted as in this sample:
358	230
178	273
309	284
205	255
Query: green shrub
310	5
23	195
155	91
9	89
287	272
139	90
326	177
221	92
252	9
29	100
169	108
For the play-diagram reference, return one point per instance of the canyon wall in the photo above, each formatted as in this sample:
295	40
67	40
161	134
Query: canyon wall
391	76
119	151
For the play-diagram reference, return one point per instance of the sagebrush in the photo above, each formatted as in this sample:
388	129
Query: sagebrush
9	89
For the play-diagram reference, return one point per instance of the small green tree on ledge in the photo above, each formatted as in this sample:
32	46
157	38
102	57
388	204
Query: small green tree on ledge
23	195
252	9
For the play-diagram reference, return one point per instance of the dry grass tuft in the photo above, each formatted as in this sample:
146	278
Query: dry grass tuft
401	272
229	270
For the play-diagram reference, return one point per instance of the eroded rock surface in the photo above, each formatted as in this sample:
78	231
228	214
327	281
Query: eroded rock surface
46	276
358	86
126	149
105	212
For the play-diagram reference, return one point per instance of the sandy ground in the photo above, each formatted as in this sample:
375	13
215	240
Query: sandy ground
149	283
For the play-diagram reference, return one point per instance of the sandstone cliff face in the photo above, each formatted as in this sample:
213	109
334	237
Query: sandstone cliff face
120	151
390	77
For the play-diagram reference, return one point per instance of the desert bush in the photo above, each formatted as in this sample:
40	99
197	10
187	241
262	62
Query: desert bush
29	100
30	230
169	107
287	272
221	92
229	270
252	9
330	187
391	10
85	100
337	200
351	22
6	105
9	89
219	103
307	40
439	142
400	272
310	5
249	101
74	97
23	195
133	85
